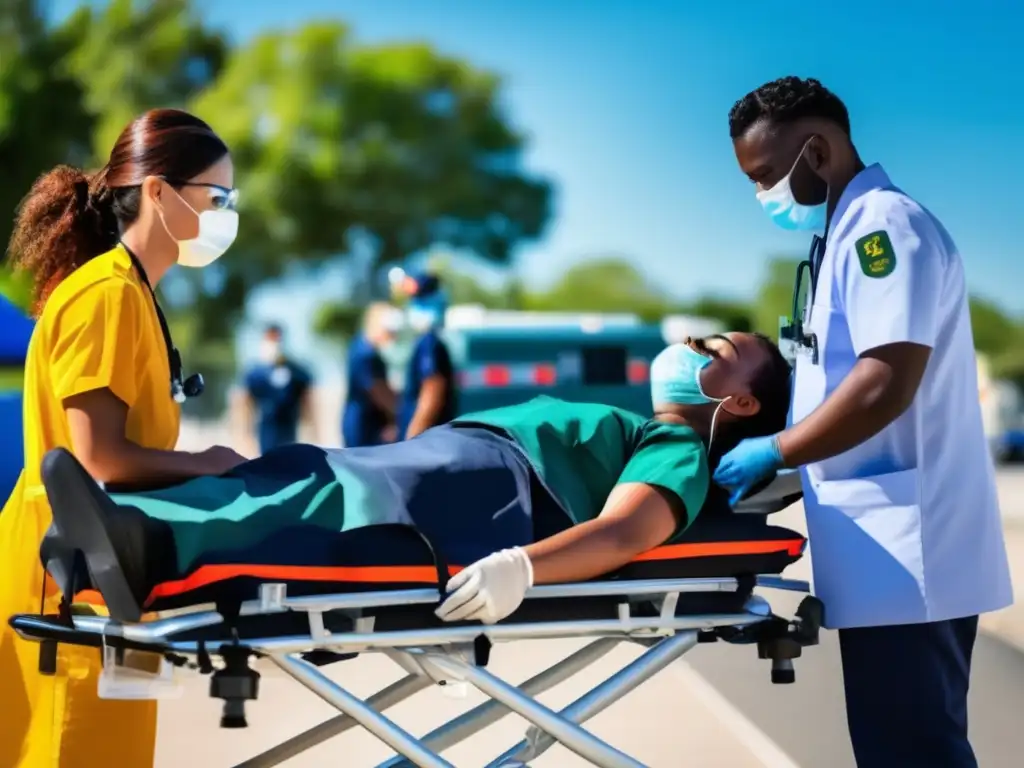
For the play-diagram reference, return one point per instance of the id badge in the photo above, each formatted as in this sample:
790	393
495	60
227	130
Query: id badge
787	344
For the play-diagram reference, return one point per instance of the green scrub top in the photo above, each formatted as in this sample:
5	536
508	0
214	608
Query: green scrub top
581	451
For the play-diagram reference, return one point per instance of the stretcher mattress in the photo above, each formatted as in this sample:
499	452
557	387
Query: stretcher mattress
372	559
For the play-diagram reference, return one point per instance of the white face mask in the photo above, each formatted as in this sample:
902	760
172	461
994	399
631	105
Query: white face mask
217	231
270	351
783	209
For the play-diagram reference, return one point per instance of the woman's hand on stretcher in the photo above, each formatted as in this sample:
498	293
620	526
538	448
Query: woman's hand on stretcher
97	421
219	459
636	518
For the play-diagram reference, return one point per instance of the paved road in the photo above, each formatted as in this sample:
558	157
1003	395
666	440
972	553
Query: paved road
716	710
807	720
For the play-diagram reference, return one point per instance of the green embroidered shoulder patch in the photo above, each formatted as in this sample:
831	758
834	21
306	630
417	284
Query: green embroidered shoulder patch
877	258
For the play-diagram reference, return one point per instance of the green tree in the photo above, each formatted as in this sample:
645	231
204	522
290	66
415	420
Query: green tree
733	314
774	298
337	320
16	288
994	331
388	148
603	284
133	55
42	120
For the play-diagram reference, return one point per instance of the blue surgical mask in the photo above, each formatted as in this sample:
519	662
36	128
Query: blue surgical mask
785	212
425	314
675	377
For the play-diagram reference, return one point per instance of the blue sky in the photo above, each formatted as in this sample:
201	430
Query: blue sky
626	104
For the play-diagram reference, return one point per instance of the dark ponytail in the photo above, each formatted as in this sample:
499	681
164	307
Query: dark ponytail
66	219
70	217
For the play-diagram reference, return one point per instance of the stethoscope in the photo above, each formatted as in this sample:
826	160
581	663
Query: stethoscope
181	388
795	332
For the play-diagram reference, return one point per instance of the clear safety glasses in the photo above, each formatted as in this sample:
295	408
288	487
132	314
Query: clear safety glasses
222	198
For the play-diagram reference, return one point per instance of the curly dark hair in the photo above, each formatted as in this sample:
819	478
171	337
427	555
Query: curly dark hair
772	386
787	99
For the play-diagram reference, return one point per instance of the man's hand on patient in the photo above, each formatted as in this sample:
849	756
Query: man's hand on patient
490	589
747	464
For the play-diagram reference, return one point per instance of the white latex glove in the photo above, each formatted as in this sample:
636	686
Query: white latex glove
490	589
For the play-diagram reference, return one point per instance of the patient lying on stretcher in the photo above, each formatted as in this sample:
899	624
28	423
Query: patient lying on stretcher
543	492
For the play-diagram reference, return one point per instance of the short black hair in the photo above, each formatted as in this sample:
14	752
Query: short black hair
787	99
273	329
772	386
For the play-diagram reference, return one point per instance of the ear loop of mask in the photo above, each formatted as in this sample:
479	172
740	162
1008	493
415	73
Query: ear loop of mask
184	202
714	417
807	143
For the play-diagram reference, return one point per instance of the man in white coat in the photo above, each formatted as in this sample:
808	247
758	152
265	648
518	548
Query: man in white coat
886	425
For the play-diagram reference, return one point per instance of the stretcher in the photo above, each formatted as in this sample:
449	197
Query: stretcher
218	620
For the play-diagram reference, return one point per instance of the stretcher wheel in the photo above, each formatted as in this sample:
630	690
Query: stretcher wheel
783	672
236	683
780	651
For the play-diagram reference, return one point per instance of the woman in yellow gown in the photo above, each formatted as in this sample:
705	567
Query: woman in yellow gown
103	380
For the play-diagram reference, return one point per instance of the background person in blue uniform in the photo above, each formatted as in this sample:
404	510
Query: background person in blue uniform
429	395
899	487
277	393
369	415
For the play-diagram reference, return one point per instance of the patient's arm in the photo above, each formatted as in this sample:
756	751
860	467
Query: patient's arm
636	518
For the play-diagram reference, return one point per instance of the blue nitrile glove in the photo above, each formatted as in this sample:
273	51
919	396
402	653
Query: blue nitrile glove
747	464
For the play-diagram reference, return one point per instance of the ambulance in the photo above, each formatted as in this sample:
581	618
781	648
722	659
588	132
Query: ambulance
508	357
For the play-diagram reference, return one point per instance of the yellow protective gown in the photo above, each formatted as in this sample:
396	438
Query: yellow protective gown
99	329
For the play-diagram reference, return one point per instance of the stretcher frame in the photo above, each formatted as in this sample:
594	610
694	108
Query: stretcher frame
459	654
666	616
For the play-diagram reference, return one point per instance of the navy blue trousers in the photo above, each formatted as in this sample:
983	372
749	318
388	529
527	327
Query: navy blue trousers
906	693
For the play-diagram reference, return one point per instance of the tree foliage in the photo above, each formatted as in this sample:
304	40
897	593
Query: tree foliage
132	55
42	120
394	148
337	146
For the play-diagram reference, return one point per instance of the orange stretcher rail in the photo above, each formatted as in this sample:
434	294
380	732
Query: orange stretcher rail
423	574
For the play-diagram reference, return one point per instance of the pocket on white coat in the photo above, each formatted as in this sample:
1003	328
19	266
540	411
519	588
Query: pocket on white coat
893	489
886	507
867	551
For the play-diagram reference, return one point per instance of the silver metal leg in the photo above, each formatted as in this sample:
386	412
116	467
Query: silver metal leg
488	713
584	744
399	740
600	698
387	697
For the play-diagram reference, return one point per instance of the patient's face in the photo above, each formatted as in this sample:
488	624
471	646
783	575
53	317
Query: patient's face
735	360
